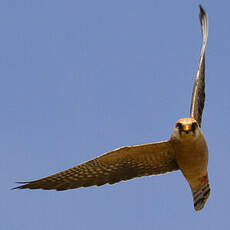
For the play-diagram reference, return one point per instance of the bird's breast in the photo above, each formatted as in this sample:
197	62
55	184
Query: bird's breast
192	157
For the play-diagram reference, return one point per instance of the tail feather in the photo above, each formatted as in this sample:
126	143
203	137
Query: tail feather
201	196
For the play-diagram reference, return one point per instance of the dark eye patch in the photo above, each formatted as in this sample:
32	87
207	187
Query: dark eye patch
179	126
194	126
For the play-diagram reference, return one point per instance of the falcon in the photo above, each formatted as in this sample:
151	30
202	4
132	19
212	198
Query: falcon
186	150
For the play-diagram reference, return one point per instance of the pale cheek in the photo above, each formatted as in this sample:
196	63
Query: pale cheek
197	133
184	136
176	134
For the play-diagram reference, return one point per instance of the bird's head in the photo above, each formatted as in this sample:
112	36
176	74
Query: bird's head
186	129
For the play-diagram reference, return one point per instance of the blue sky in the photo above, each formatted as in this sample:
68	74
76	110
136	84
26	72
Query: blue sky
80	78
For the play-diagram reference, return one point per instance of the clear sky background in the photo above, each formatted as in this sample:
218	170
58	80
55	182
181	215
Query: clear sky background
80	78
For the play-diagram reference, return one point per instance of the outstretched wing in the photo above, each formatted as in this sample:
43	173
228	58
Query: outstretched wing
198	95
120	164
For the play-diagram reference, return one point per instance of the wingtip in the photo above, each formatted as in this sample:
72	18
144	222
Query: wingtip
202	11
201	7
21	186
203	21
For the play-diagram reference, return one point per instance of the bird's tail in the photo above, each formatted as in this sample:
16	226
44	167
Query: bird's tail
201	195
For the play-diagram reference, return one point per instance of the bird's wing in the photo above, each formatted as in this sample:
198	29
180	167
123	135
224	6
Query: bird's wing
198	95
120	164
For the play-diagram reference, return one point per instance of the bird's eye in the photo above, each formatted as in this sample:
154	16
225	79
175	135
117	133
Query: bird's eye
179	126
194	126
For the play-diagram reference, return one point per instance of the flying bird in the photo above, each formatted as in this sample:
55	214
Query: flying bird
186	150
